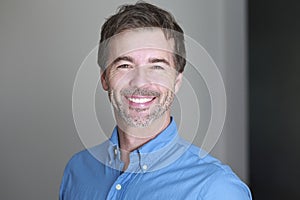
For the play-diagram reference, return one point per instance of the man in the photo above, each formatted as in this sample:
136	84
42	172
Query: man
142	58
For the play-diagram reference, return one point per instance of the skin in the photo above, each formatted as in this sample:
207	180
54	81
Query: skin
141	81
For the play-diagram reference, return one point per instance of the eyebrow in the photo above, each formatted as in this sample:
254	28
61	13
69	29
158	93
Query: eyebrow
122	58
150	60
159	60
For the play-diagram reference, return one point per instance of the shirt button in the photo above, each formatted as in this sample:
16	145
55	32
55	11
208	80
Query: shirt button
145	167
118	187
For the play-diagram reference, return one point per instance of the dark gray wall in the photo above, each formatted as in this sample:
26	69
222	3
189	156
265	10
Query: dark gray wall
274	69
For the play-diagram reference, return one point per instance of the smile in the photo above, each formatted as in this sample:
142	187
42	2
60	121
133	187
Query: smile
140	100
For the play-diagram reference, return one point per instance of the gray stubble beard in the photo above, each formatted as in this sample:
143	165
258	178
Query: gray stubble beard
143	121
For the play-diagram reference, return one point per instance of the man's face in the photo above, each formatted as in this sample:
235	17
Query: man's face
141	78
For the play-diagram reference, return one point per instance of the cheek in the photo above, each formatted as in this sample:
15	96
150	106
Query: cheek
166	87
116	80
166	95
166	81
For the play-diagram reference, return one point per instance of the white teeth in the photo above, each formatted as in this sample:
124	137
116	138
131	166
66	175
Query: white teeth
140	100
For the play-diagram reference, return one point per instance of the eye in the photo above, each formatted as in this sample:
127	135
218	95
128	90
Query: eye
123	66
157	67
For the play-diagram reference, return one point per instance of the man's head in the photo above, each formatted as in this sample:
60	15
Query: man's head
141	64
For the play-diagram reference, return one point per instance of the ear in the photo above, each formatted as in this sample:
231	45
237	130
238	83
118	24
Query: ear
178	82
104	82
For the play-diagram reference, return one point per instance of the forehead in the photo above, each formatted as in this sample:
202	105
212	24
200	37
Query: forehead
136	40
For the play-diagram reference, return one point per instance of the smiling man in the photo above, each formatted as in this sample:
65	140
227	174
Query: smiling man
142	58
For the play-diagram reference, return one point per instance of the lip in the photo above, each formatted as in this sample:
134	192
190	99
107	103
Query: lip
140	101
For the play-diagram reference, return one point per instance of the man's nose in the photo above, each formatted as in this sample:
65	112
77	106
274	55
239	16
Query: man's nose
138	77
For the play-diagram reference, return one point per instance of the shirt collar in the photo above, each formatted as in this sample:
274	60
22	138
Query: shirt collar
161	140
159	152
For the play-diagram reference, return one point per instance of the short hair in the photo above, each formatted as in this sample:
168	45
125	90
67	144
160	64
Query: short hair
143	15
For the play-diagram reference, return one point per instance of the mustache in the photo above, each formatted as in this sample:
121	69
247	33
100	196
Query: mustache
139	92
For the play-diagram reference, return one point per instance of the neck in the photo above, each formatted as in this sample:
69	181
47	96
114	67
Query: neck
131	138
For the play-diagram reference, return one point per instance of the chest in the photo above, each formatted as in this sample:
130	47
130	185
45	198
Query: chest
161	184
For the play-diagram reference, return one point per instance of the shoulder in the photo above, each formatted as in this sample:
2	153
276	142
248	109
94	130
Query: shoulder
82	166
72	168
217	180
79	157
77	163
225	185
86	158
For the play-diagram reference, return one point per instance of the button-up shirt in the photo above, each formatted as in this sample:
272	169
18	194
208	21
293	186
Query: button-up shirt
167	167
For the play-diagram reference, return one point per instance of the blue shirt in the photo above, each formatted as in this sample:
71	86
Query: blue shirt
167	167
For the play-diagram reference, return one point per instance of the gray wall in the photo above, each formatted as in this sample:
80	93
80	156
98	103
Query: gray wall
43	43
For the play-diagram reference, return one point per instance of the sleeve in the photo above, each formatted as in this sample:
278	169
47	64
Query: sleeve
227	187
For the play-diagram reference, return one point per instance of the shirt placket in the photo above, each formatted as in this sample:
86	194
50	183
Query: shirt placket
119	187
